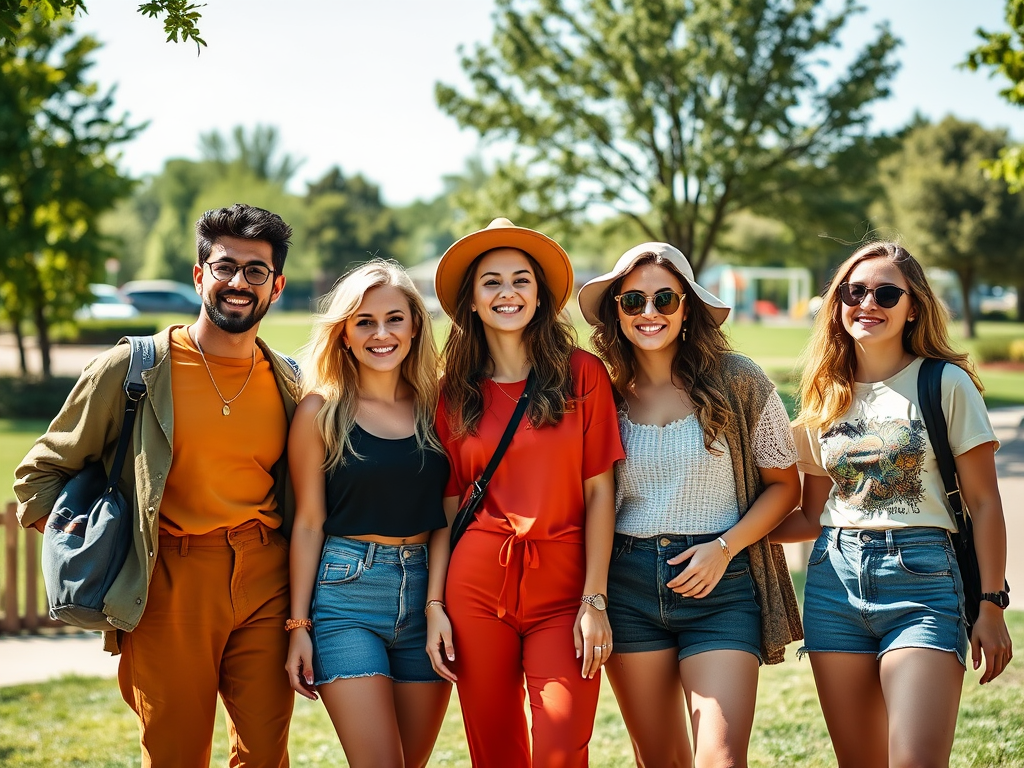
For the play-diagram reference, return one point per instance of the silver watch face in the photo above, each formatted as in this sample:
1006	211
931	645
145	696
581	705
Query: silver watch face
599	601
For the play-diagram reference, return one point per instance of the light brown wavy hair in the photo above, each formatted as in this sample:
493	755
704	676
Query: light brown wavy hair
331	370
827	381
697	363
549	343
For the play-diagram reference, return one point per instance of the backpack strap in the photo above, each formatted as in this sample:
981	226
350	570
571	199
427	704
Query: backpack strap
142	357
929	393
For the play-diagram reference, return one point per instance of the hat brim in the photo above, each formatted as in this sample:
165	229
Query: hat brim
553	259
592	293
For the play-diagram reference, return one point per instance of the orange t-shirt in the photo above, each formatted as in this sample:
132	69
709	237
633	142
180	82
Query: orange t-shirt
537	490
220	474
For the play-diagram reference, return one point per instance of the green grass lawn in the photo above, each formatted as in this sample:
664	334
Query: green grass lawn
83	722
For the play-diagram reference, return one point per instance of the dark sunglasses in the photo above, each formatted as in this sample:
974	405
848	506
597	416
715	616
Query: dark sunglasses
635	302
886	296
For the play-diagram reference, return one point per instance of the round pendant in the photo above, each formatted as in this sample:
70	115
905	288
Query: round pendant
226	409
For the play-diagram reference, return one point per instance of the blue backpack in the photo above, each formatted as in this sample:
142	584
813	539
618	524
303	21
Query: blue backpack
89	532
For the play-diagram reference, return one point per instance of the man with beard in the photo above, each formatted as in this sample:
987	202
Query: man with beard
199	608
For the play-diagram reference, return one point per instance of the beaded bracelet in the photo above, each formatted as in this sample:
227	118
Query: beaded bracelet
290	624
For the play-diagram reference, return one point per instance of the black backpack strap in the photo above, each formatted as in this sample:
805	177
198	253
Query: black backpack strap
142	357
929	394
513	423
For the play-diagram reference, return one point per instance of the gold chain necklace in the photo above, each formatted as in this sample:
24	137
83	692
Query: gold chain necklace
226	410
506	394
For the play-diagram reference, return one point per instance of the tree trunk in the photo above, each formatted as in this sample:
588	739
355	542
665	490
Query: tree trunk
43	337
1020	301
19	338
966	283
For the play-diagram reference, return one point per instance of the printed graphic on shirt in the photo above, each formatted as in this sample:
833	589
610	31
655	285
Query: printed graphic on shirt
876	464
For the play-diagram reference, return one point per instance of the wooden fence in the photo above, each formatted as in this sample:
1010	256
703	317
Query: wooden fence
22	585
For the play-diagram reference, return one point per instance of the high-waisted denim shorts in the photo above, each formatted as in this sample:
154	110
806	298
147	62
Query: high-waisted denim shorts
648	616
368	612
872	591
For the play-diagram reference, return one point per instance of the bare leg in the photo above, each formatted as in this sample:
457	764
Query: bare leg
650	698
850	693
922	694
720	689
420	710
363	712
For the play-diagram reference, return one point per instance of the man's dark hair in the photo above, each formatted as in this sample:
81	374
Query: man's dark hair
247	222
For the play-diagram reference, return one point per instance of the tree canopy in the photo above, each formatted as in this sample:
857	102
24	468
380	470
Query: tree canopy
676	113
180	17
950	212
57	174
1002	53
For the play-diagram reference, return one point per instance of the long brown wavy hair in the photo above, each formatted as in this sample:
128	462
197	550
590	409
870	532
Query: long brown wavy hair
697	363
331	371
549	342
826	386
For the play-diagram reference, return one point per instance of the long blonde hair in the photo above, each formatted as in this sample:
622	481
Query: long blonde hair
826	385
697	362
332	372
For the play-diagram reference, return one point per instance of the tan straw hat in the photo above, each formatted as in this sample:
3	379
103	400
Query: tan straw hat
502	233
592	293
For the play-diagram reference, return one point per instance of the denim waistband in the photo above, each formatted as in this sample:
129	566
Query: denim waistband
372	552
885	537
664	541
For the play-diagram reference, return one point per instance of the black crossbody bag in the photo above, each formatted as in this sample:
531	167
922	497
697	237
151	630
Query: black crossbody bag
929	393
478	489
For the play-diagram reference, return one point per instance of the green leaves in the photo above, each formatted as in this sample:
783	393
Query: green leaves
689	110
181	19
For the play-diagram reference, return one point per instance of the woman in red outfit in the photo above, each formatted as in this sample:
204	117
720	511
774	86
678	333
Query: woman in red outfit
523	595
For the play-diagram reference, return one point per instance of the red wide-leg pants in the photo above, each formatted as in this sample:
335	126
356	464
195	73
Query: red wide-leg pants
512	604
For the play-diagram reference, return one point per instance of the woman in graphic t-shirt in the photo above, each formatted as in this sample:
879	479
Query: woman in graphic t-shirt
697	596
368	473
524	594
883	607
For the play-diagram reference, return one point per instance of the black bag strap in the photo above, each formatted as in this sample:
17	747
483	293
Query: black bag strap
513	424
929	393
141	358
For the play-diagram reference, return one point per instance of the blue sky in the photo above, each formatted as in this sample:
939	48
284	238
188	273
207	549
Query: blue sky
351	82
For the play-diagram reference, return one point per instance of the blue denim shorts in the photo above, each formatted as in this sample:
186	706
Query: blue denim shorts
872	591
368	612
648	616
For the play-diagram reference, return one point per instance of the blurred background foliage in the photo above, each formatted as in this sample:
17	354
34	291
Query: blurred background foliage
714	126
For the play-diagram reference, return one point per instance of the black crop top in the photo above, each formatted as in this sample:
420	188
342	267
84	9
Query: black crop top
395	489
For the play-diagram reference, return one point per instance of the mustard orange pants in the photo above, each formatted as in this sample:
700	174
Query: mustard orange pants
214	623
512	604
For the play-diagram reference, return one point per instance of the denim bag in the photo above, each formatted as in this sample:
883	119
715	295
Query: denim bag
89	532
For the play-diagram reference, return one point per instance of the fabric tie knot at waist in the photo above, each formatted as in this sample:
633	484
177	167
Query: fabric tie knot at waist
509	559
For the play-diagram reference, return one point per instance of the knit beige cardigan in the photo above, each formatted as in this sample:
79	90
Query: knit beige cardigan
747	389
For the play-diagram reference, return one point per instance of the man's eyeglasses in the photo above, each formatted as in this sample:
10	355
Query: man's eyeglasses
635	302
254	274
886	296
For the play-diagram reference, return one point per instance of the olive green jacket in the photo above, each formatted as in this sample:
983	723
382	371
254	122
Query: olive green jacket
87	430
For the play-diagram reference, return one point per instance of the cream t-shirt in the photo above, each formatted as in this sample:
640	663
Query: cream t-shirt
879	455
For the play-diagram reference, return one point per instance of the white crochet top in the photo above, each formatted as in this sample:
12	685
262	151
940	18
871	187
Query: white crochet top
670	483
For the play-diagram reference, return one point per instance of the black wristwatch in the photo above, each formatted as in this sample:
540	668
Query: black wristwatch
1000	598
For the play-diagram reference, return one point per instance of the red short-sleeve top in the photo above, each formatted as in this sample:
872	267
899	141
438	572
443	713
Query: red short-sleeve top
537	490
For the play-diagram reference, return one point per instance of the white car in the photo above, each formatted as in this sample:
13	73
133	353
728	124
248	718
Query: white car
107	304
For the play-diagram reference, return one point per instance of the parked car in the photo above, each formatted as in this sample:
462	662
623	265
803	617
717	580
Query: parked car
162	296
107	304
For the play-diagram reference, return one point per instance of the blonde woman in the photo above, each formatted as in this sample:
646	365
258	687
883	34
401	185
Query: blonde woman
369	475
697	598
883	607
